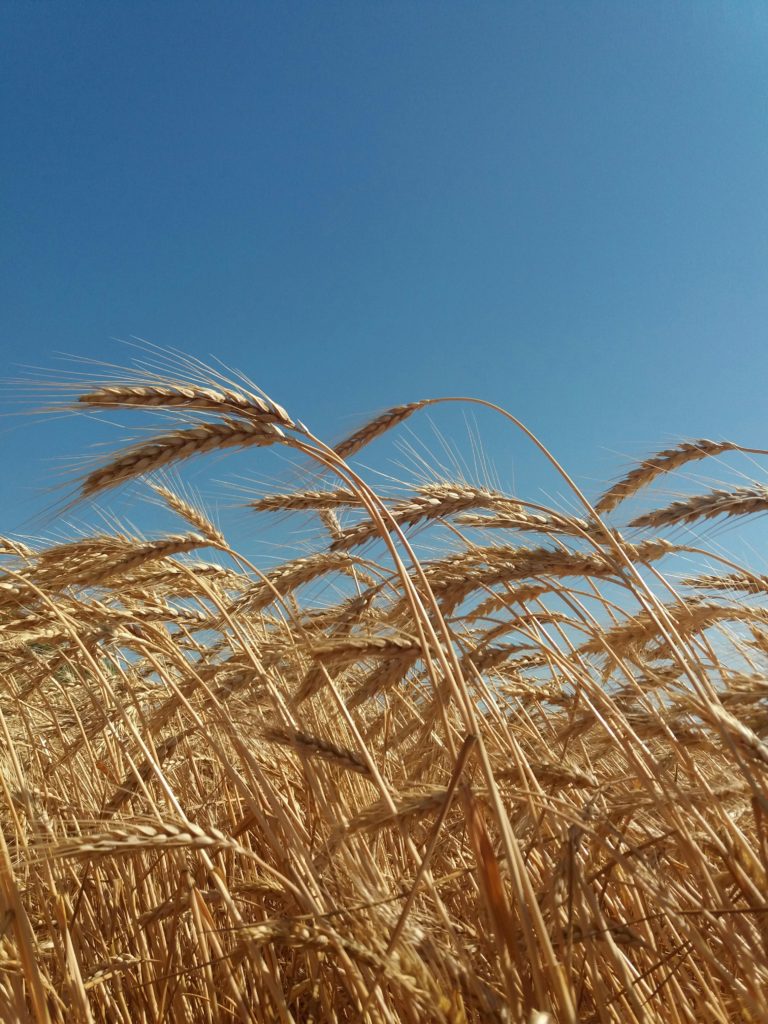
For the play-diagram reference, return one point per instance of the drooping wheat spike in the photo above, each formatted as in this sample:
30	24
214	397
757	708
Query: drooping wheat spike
195	516
106	971
306	500
455	577
347	650
176	446
744	737
8	546
394	654
316	746
385	676
85	564
292	575
341	618
648	551
650	469
736	581
59	565
224	401
330	521
379	814
742	501
181	578
152	551
688	616
374	428
131	783
744	688
522	519
508	599
434	501
305	934
489	657
557	774
138	837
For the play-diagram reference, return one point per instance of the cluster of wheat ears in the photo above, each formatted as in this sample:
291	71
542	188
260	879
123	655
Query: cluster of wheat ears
514	774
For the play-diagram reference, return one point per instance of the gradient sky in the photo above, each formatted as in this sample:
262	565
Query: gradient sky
561	207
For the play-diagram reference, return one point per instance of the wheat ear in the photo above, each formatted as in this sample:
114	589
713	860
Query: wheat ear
666	461
374	428
176	446
193	397
740	502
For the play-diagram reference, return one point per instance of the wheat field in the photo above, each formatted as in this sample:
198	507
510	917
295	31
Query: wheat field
470	759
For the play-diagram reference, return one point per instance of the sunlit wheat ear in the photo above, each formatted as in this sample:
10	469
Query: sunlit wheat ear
131	784
650	469
315	746
8	546
735	581
90	563
286	578
691	616
379	815
160	836
110	969
435	501
742	501
376	427
303	500
394	656
185	396
167	449
521	519
194	515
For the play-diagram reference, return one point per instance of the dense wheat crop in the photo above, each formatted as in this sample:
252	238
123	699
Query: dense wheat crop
471	759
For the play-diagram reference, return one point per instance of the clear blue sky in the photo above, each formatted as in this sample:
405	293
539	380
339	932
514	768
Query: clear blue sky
562	207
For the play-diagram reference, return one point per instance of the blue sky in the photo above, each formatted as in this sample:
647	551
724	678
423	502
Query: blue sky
561	207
